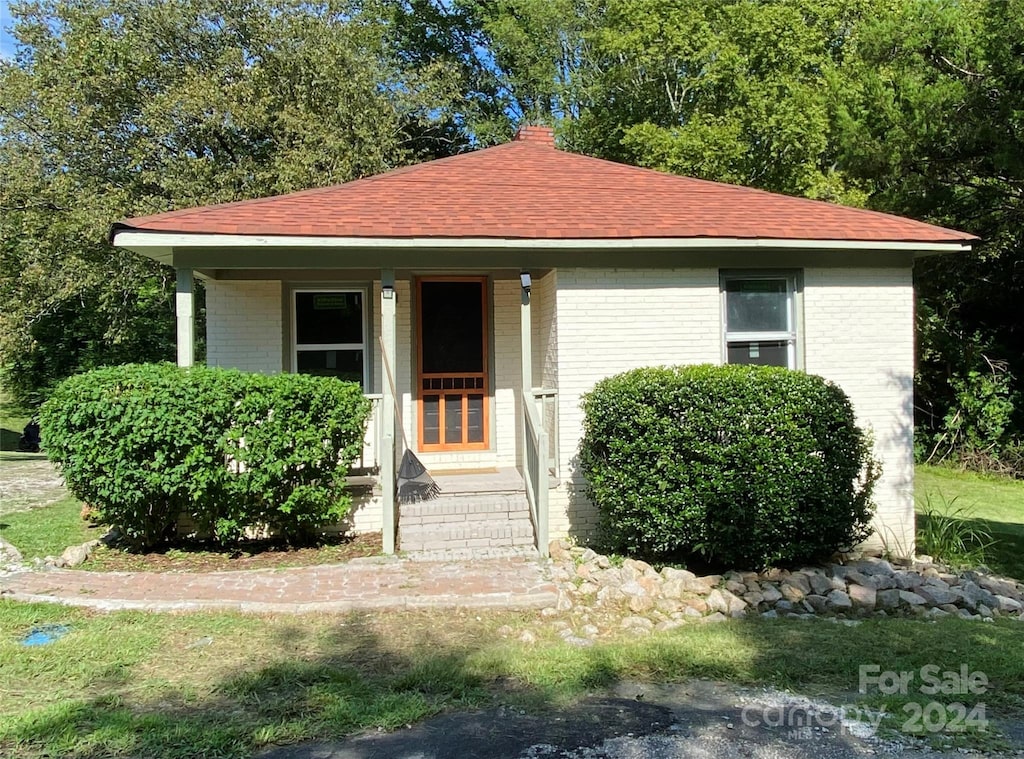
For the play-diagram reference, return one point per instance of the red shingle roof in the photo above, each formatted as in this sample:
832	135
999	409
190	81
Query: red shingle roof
527	189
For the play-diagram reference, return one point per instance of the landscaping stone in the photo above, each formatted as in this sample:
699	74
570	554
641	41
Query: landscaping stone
645	599
974	595
937	596
9	555
637	624
839	600
873	566
908	580
717	602
671	573
1007	604
820	585
754	597
771	593
676	588
863	597
909	598
792	593
887	599
640	604
800	581
816	603
996	585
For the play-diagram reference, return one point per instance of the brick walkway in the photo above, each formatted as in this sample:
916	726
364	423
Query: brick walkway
361	584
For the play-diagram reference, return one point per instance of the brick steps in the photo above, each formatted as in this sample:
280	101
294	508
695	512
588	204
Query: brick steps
469	520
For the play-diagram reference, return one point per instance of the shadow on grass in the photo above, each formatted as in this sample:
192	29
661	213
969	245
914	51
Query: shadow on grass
329	677
9	439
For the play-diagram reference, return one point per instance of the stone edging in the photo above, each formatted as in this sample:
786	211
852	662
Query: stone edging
862	588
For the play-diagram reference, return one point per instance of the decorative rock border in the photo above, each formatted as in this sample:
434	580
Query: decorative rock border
10	557
864	587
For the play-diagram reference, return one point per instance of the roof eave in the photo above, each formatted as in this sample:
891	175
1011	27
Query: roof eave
160	245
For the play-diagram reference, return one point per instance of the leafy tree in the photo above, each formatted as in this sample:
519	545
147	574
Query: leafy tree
115	108
934	118
536	52
739	91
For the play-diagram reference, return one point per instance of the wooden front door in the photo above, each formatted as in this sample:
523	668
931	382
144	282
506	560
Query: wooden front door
452	363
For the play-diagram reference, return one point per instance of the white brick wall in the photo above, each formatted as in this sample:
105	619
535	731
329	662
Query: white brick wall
613	320
508	369
244	325
859	333
545	330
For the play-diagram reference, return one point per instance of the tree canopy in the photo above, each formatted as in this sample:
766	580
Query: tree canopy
115	108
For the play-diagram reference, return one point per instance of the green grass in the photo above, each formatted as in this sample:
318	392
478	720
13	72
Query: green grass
225	685
994	505
47	531
13	418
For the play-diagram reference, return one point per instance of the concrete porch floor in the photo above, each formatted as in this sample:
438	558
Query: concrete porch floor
472	481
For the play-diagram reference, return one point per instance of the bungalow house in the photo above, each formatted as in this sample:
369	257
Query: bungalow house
500	285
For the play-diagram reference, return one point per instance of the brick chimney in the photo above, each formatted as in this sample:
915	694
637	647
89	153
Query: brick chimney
543	135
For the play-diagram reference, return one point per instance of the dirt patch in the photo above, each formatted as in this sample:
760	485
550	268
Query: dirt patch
28	481
204	557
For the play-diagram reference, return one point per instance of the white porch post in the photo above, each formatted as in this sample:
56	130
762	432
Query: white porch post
526	337
387	409
184	309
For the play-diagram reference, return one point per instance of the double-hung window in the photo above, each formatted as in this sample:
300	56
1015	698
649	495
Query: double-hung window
329	329
760	319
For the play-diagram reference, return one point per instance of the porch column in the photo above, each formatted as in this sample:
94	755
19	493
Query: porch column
387	409
526	334
184	310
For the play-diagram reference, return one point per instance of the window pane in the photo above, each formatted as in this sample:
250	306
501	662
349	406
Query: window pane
345	365
453	419
431	419
475	422
756	305
323	318
761	353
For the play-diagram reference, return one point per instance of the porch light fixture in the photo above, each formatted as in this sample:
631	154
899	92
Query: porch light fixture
525	281
388	291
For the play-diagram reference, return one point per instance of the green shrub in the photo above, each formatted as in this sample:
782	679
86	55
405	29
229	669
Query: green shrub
147	444
743	466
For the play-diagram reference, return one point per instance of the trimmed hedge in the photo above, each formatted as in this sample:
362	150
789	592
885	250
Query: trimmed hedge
744	466
146	444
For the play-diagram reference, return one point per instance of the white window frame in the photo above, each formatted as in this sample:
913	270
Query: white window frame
296	348
790	336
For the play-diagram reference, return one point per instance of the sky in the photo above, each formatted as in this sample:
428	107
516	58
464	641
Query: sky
6	41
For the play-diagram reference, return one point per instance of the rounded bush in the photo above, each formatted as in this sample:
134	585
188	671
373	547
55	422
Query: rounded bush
744	466
147	444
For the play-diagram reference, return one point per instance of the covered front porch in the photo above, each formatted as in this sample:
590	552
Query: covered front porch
458	366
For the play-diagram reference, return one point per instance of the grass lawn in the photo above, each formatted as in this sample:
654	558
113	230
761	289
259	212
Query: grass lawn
226	685
13	418
47	531
992	503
